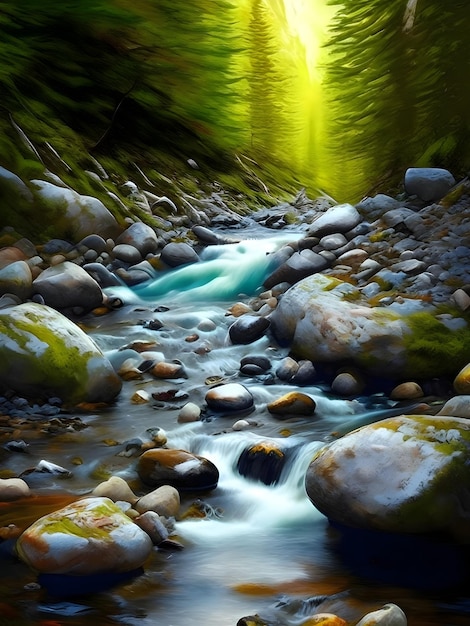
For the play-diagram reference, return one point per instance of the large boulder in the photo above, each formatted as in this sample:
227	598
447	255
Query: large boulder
326	320
406	474
89	536
72	215
43	353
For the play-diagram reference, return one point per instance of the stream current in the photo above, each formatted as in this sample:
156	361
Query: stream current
260	549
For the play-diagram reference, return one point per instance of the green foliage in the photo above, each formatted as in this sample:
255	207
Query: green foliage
145	86
398	96
434	349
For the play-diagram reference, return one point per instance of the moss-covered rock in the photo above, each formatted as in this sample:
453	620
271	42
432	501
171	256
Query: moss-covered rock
402	474
43	353
326	320
89	536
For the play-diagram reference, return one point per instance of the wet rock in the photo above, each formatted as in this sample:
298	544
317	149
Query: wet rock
175	254
406	474
254	365
326	320
407	391
141	396
13	489
292	403
178	468
190	412
287	368
247	329
458	406
168	370
43	354
229	398
462	381
348	384
66	286
93	242
102	275
325	619
164	500
263	461
305	374
89	536
388	615
115	488
11	254
151	523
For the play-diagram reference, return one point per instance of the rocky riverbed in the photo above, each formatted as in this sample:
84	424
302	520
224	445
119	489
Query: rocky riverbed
367	300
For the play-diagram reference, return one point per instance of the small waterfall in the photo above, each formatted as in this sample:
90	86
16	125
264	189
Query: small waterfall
250	505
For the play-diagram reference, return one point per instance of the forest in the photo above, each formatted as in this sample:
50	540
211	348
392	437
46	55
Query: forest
264	96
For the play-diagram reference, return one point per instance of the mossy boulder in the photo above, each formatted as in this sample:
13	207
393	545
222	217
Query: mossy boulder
406	474
89	536
73	215
326	320
43	353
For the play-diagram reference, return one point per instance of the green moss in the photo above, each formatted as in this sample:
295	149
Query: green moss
57	367
433	349
68	526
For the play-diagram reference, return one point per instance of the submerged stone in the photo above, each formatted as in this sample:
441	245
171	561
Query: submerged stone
263	461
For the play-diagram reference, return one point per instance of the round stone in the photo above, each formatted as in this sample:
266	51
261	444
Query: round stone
292	403
89	536
231	397
180	469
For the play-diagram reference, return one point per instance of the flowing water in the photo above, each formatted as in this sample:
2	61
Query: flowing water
259	549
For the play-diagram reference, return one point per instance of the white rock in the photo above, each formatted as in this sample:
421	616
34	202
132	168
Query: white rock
337	219
164	500
13	489
388	615
115	488
189	413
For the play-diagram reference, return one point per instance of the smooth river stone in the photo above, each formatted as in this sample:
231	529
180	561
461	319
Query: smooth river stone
248	328
68	285
231	397
406	474
263	461
292	403
89	536
178	468
337	219
388	615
